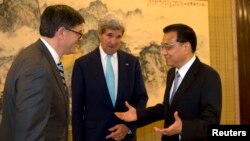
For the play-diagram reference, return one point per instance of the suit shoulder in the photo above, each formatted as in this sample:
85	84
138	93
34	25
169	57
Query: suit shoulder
128	55
30	59
30	55
85	57
208	69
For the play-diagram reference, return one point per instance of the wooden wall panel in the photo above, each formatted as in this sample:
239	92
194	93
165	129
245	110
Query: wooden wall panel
243	34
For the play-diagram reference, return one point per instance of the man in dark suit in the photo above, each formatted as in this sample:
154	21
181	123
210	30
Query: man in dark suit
195	104
35	105
93	100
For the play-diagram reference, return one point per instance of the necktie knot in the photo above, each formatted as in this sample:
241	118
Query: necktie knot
109	57
177	75
60	67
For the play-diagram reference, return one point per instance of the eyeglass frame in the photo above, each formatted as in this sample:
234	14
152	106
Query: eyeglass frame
165	46
79	33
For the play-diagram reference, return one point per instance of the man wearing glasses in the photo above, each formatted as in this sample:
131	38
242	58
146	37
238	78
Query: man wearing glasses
35	103
192	99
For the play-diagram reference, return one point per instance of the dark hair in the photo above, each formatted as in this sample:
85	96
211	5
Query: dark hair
56	16
184	34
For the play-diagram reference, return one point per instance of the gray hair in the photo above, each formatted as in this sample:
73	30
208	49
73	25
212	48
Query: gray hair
110	22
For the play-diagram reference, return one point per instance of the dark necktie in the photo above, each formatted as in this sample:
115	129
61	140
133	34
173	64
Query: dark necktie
60	69
176	81
110	79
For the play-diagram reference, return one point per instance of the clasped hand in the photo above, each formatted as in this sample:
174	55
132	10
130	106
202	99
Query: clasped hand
118	132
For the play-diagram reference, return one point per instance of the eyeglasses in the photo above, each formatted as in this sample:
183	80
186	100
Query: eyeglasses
165	46
79	33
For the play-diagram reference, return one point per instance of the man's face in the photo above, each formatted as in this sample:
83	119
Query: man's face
173	51
74	35
110	40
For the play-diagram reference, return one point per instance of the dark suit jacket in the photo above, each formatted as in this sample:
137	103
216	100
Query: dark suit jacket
198	102
92	111
35	105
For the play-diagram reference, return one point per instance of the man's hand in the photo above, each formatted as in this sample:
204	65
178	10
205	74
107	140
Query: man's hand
173	129
128	116
118	132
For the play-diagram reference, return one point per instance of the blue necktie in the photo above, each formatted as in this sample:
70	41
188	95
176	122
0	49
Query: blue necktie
176	81
60	69
110	79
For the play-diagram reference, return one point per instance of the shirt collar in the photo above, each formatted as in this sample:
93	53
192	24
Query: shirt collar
183	70
51	50
103	54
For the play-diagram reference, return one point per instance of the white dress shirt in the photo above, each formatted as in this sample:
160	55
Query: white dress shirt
52	51
182	71
114	62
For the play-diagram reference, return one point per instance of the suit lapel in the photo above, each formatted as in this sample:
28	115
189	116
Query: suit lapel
98	74
55	71
170	79
123	66
186	83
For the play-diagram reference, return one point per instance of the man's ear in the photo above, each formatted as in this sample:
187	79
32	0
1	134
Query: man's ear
188	47
60	33
187	44
99	34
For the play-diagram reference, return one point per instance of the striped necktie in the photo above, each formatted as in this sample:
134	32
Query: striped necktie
110	79
60	69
